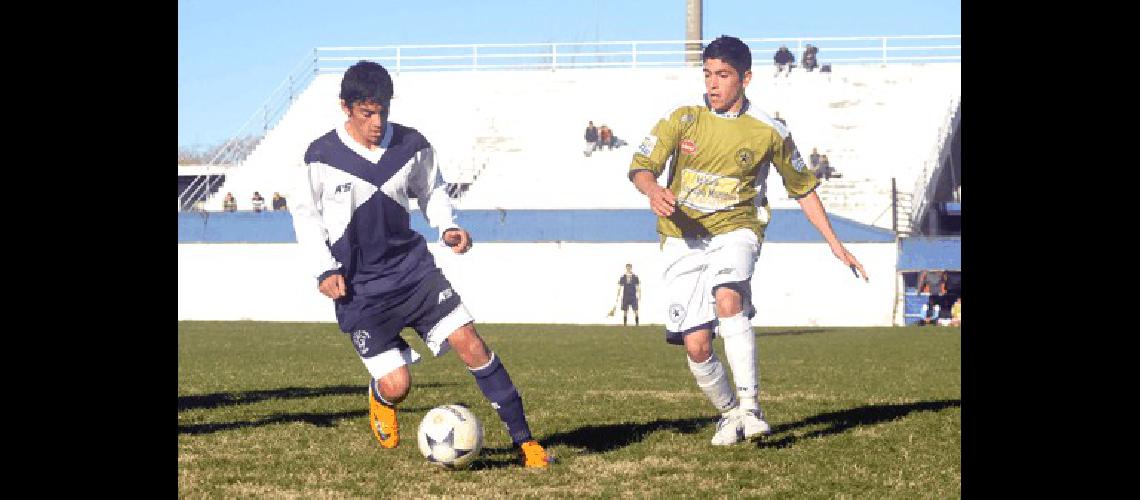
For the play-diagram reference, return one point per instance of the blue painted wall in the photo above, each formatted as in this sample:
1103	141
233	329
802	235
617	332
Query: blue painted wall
922	253
600	226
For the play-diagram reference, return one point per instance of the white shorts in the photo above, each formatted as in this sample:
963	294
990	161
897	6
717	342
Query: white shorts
695	266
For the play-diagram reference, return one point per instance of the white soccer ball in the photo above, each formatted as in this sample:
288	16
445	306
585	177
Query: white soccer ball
450	436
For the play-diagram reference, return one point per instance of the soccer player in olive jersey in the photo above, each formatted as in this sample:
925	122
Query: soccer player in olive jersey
711	220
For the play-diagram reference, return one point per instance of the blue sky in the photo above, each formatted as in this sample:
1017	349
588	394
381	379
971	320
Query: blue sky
232	54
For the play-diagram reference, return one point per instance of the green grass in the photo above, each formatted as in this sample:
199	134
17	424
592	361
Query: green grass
280	410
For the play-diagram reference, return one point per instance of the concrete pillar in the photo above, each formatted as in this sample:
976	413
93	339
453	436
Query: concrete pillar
693	30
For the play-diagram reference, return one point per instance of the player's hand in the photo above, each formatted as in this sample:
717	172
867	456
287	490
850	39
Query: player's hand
458	239
661	200
842	254
333	286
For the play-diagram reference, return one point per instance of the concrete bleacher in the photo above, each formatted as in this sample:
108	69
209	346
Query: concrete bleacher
517	135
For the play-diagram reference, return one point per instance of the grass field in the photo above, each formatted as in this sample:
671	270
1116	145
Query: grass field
280	410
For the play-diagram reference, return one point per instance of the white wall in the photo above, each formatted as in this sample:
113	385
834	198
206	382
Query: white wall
796	284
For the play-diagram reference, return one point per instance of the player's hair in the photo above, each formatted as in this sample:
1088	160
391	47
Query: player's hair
730	50
366	81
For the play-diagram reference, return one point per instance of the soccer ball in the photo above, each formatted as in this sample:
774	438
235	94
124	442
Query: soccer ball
450	436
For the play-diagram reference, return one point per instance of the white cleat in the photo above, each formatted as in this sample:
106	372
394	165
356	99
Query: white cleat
729	430
753	424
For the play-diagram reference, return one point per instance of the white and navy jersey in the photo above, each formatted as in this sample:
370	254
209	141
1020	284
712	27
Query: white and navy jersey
352	216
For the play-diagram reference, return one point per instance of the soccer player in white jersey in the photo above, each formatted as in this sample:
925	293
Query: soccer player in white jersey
352	221
711	219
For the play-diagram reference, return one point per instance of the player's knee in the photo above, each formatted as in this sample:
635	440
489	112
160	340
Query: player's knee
394	386
469	346
728	302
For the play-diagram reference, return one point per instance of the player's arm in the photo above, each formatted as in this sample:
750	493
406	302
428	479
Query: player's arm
801	186
312	233
649	161
426	183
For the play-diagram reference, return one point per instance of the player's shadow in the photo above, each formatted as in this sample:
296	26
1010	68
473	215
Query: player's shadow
790	331
216	400
219	399
840	421
601	438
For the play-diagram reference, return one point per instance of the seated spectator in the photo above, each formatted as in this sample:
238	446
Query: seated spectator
784	60
591	139
825	171
814	159
956	313
930	312
279	202
605	138
258	202
781	120
809	59
229	204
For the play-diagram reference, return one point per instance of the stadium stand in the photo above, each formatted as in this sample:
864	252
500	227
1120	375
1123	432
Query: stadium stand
515	135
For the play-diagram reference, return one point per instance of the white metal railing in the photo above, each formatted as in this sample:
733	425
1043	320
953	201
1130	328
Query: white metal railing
938	157
552	57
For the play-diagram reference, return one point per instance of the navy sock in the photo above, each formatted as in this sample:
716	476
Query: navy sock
497	387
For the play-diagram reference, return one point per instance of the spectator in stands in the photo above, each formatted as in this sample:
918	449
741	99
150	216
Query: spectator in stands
809	59
229	204
814	160
591	139
279	202
953	283
931	282
956	313
825	170
784	60
930	312
605	137
258	202
776	117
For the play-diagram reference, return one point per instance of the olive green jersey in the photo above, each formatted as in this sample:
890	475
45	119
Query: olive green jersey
720	166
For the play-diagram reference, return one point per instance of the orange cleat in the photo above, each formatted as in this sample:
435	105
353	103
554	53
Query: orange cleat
532	455
383	421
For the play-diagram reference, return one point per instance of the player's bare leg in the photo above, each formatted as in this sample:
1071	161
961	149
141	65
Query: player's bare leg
495	383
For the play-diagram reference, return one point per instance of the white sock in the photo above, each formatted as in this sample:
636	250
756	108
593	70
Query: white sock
740	348
714	382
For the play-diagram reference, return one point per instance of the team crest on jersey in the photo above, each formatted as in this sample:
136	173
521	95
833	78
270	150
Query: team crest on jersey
360	339
676	313
745	158
444	295
688	147
647	145
343	188
686	118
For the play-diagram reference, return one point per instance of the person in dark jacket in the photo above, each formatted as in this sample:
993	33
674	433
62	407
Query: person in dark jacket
809	60
784	59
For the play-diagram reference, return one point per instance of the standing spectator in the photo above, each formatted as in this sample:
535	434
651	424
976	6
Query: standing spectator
809	59
279	202
258	202
229	204
605	137
814	160
784	60
629	293
591	139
